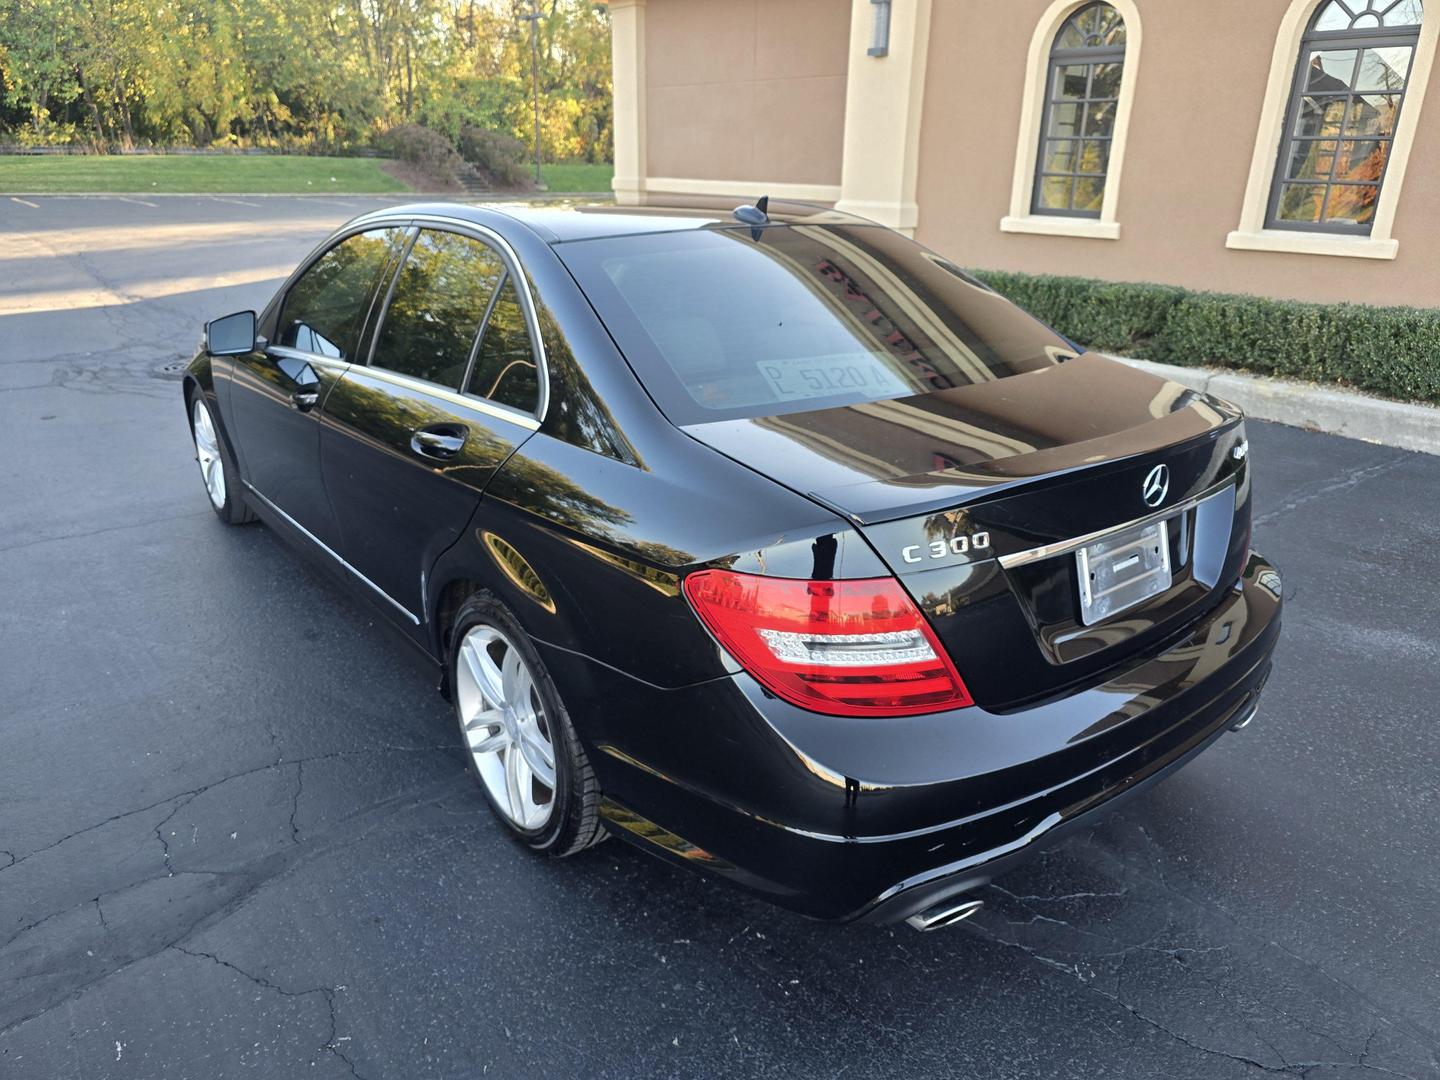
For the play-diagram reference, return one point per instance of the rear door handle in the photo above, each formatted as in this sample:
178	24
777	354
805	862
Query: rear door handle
441	441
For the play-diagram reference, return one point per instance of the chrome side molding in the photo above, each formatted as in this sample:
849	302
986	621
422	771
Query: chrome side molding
329	551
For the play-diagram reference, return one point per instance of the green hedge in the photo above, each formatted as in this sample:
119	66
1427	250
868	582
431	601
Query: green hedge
1390	351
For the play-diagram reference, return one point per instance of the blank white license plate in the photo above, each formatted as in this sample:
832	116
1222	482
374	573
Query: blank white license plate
1123	570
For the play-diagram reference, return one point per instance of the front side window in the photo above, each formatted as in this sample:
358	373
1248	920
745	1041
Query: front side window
1082	97
1354	64
325	309
437	304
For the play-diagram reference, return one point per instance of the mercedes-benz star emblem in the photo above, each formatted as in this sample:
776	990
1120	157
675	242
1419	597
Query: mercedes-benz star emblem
1156	486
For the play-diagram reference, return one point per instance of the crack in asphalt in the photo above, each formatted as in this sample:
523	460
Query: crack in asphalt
103	529
261	873
1347	479
1178	954
185	800
1123	956
1423	1038
77	991
36	924
331	1044
1286	1068
1065	896
192	792
295	803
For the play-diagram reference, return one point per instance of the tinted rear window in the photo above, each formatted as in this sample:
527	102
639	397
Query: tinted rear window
720	325
504	368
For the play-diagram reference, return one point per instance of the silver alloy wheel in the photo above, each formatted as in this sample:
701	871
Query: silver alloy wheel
503	720
207	453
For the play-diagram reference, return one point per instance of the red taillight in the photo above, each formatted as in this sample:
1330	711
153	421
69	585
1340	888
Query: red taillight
848	648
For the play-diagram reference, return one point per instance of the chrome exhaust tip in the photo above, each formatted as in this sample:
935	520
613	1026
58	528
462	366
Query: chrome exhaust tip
1244	721
947	913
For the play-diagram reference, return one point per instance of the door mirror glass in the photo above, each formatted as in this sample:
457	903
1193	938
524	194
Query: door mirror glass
232	335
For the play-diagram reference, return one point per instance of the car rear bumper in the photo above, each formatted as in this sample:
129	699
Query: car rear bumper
876	820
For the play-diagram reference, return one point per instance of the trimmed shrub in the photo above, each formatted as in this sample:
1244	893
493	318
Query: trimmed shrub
423	148
501	157
1109	316
1394	352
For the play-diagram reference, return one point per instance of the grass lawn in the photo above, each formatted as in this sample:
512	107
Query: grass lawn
185	173
577	176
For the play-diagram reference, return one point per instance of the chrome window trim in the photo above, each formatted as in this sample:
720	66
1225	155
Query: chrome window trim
1066	547
516	269
330	551
286	352
454	397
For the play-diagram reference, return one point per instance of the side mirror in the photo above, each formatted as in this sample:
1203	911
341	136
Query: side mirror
232	335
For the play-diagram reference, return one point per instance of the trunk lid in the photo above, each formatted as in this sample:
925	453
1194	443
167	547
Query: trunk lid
978	498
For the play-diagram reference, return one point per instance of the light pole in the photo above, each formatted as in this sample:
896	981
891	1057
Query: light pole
534	20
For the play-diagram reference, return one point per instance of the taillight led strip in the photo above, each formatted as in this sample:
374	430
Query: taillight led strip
845	648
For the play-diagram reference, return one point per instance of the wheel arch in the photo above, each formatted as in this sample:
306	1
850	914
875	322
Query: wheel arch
477	563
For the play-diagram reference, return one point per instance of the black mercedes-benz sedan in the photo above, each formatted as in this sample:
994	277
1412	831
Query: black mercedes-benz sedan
761	536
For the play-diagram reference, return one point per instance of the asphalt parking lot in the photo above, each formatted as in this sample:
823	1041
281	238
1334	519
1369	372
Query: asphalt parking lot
237	837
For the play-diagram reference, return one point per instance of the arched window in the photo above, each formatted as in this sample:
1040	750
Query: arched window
1355	62
1082	99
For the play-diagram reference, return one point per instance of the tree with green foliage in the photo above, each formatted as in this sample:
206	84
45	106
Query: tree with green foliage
300	74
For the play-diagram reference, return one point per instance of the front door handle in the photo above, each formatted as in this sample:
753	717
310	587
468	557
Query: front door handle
441	441
306	398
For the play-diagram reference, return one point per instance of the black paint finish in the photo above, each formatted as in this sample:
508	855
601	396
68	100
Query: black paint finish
1267	911
587	523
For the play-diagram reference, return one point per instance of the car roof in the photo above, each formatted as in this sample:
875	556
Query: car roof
557	224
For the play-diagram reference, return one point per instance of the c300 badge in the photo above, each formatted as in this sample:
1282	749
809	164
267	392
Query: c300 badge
944	549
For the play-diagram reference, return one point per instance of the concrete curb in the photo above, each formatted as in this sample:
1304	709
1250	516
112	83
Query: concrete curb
1319	408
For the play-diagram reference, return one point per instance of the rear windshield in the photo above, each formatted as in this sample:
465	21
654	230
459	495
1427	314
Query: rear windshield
720	324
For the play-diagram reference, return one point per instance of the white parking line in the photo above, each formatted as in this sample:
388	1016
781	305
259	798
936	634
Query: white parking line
142	202
25	202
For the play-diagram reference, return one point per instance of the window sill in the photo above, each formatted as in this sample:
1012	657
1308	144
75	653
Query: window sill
1306	243
1044	225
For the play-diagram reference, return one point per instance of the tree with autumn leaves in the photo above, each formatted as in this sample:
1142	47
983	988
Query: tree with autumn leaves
300	74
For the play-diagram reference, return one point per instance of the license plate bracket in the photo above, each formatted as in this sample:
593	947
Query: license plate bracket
1123	570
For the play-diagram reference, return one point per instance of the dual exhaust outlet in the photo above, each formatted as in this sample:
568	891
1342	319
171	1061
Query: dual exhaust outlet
958	909
946	913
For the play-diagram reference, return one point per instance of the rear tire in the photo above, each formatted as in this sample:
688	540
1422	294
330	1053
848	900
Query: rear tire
519	741
218	470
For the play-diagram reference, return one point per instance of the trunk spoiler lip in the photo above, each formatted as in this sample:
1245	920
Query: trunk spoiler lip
972	488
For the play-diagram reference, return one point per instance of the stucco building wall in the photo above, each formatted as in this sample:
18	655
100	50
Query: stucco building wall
747	89
744	96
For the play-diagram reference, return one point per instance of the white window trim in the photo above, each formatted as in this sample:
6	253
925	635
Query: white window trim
1032	111
747	190
627	54
1252	235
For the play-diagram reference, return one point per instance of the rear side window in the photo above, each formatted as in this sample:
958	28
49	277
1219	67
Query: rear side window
436	308
505	365
720	323
326	307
